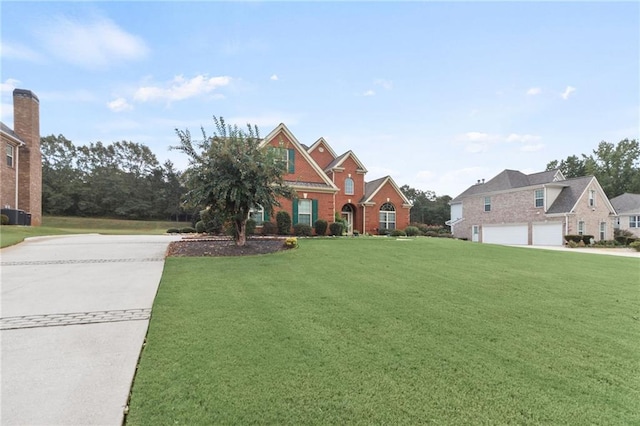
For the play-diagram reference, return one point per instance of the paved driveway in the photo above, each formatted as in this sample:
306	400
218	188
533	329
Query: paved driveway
74	314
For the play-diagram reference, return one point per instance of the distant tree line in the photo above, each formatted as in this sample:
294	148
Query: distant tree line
616	166
120	180
427	207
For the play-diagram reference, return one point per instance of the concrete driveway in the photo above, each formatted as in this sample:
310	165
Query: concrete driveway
74	314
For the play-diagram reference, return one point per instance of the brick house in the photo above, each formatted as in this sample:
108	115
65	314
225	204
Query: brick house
326	183
535	209
21	171
628	209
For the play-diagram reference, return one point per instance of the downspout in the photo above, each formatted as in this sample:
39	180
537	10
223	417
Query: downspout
17	174
364	219
566	224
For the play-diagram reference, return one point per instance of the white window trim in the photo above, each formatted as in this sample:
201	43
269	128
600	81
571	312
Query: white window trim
536	198
12	155
487	204
259	211
592	198
301	214
386	221
346	187
634	221
581	227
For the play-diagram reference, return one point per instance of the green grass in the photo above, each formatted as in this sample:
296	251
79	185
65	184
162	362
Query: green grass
379	331
56	225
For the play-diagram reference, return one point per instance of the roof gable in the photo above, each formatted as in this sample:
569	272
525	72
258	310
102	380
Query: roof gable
573	191
337	163
373	187
281	128
322	143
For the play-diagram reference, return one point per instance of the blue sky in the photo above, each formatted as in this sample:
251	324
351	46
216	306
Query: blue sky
436	94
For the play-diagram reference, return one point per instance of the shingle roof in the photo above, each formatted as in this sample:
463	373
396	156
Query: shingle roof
573	189
6	129
508	179
626	203
336	161
371	187
307	184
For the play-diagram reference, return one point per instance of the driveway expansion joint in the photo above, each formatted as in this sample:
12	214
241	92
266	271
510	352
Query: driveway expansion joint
74	318
79	261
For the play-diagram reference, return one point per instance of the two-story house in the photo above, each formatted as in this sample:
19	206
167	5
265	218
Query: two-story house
326	183
535	209
627	207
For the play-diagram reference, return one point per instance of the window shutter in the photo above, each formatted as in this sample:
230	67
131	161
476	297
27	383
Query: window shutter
294	213
292	157
314	211
266	215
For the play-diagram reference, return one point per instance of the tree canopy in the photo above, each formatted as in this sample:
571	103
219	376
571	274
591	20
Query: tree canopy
230	173
427	207
616	166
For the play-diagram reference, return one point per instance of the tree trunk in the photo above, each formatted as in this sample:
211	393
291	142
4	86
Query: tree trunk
241	232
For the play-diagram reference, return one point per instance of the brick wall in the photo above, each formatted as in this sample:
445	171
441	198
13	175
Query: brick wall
26	118
8	176
372	212
592	216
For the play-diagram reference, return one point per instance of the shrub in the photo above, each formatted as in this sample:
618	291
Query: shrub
398	233
4	219
283	219
302	230
188	230
623	236
212	222
336	228
321	227
200	229
635	245
250	227
587	239
574	238
572	244
173	231
269	228
291	242
411	231
431	234
356	233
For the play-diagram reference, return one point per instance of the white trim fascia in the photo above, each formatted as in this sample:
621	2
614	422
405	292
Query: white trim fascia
600	191
12	138
311	190
389	179
351	154
326	144
303	152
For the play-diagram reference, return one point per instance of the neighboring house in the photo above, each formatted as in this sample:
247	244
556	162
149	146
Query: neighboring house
326	183
535	209
628	209
21	171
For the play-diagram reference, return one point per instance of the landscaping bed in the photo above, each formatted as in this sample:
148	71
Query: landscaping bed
221	246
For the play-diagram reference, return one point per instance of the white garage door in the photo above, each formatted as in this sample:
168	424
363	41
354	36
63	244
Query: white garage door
505	234
547	234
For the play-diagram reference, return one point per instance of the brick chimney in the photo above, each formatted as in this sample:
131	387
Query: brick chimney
26	124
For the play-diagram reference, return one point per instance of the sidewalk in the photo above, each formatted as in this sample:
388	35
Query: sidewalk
74	315
626	252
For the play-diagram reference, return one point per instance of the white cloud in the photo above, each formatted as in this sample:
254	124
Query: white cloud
18	51
515	137
93	42
477	137
119	105
534	91
8	85
369	93
274	77
180	88
269	119
567	92
385	84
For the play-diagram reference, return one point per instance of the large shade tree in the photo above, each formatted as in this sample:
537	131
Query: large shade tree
231	173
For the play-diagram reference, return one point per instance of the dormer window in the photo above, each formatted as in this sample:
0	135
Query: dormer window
348	186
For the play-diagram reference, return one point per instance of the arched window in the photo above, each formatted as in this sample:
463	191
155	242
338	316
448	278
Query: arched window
348	186
387	217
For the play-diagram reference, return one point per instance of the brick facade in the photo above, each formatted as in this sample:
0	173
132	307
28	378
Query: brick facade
27	163
314	178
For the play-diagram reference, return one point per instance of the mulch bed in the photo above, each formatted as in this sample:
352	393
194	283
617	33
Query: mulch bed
195	247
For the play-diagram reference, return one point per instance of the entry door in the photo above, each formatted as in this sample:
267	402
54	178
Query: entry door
348	216
475	233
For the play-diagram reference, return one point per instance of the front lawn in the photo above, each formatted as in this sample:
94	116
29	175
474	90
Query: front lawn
381	331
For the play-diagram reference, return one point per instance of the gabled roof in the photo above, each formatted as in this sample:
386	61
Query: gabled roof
328	184
337	163
572	192
372	188
511	179
10	133
319	142
626	203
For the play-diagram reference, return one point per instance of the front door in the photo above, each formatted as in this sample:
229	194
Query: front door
475	233
348	217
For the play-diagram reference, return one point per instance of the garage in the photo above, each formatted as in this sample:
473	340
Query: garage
505	234
547	234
